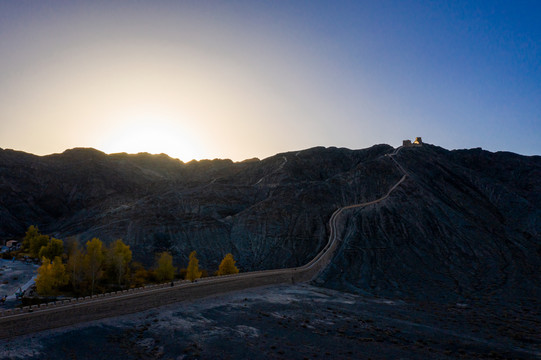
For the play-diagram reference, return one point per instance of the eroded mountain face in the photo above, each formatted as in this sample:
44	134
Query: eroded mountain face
464	223
270	213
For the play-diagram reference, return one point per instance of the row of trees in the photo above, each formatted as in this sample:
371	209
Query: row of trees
99	268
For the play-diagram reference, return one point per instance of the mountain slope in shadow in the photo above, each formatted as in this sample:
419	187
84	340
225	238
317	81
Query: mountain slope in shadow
464	224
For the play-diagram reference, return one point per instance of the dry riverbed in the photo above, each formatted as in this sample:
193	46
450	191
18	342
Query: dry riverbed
292	322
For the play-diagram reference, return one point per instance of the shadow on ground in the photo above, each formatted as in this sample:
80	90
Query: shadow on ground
292	322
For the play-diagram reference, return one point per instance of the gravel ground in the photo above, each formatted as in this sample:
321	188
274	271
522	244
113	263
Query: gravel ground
13	275
293	322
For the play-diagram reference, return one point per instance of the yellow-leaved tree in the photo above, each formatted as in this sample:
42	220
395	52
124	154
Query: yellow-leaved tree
227	266
192	272
93	262
165	271
119	258
51	276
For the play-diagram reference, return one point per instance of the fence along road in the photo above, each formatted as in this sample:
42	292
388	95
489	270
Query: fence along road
36	318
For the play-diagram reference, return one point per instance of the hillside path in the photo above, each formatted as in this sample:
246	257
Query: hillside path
324	257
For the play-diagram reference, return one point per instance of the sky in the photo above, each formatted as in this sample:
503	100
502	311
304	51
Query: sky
244	79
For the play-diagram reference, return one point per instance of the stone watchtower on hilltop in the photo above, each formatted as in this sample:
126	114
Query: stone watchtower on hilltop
417	142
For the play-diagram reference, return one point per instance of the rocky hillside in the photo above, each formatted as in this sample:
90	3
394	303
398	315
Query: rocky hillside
270	213
463	223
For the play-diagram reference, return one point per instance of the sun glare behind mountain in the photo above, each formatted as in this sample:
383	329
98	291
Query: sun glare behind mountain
154	134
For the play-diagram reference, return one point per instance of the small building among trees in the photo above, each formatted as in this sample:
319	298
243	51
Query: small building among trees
11	243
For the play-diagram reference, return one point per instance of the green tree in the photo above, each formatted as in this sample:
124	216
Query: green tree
227	266
33	241
119	258
51	276
31	233
192	272
37	243
93	262
165	270
54	248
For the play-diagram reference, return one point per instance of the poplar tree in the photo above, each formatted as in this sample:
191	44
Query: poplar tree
54	248
33	241
165	270
51	276
192	272
119	258
227	266
75	264
31	233
93	261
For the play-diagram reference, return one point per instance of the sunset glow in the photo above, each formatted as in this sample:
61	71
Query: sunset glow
153	134
244	79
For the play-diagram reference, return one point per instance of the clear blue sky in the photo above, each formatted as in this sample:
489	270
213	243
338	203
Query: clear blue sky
238	79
